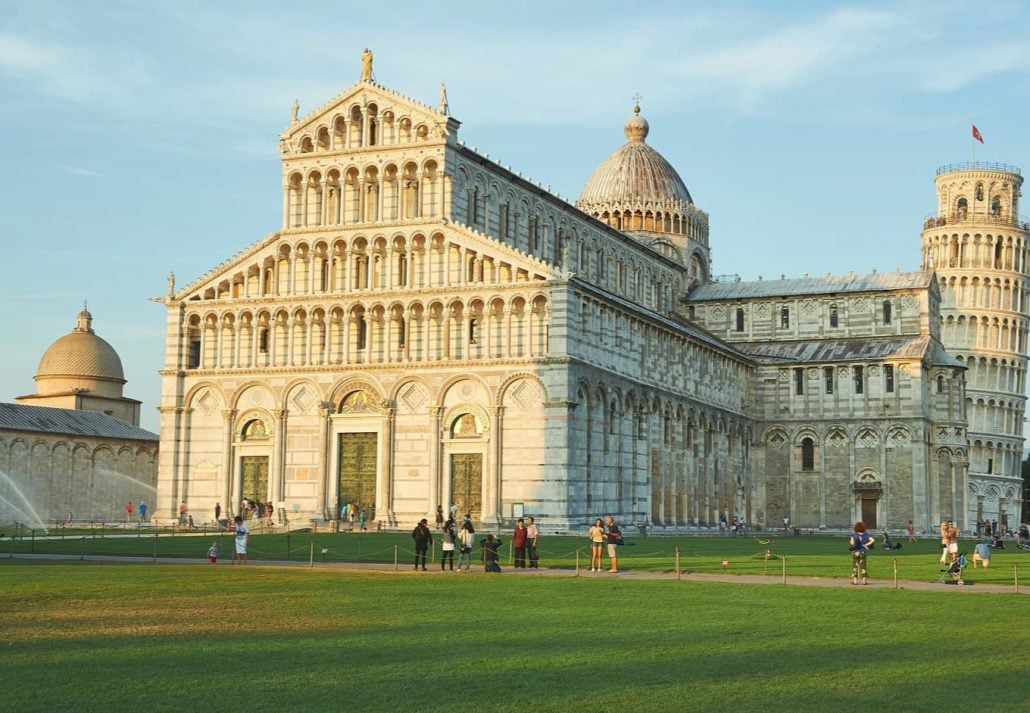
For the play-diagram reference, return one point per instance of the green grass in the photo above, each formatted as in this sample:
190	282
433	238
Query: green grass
805	556
113	637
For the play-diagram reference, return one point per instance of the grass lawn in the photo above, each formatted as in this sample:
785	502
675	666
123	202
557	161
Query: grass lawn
113	637
807	556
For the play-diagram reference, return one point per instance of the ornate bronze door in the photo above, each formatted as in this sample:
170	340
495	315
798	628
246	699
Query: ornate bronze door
358	470
254	470
467	483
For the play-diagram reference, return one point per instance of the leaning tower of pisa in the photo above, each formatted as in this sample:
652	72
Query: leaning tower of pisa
978	245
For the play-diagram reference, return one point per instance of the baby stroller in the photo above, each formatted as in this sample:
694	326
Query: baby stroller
954	571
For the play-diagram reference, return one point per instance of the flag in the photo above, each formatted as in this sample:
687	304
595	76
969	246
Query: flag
977	135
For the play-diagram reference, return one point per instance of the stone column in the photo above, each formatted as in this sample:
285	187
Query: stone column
277	467
228	461
384	506
492	514
435	414
324	487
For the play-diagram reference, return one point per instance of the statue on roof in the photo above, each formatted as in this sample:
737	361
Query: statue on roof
366	65
295	111
443	108
171	284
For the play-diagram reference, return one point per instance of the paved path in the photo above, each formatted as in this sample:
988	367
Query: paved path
405	570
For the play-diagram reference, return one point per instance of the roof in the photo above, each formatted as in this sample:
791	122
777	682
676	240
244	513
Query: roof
42	419
634	174
81	353
857	349
830	284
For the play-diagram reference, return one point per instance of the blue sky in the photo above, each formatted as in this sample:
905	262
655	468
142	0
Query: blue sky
140	138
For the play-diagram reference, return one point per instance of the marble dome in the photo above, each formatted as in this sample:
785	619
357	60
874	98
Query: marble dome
634	175
81	354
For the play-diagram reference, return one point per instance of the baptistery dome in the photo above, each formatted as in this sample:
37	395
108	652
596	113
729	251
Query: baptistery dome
81	356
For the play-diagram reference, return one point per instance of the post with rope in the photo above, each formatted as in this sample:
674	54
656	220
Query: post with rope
1015	577
82	548
677	562
577	561
395	558
311	557
784	560
155	547
895	573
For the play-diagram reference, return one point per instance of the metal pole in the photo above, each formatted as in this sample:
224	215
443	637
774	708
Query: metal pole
395	558
895	573
1015	577
784	569
82	548
155	547
311	561
33	543
677	562
511	552
287	545
577	562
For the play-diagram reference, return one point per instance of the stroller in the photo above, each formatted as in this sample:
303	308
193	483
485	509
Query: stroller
954	571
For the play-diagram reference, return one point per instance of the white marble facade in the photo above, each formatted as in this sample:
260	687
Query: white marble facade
430	327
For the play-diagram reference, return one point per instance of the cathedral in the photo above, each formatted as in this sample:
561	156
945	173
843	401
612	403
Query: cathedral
428	328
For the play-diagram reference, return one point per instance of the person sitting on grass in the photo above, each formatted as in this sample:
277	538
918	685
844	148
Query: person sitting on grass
982	553
889	544
490	546
996	543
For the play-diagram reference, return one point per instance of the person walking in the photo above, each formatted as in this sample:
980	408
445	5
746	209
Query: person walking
490	546
269	511
614	540
242	538
911	532
182	512
861	541
447	549
596	545
218	513
518	542
423	538
532	534
128	511
142	509
467	537
212	552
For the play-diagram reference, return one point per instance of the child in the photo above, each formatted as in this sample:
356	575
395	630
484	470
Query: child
212	552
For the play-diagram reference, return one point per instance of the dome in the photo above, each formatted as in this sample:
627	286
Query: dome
635	175
81	353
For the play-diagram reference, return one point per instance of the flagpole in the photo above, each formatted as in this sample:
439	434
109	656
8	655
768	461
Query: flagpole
972	142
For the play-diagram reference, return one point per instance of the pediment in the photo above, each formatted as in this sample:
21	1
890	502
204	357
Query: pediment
360	101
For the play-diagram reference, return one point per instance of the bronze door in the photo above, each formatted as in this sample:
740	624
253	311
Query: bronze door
358	470
467	483
254	470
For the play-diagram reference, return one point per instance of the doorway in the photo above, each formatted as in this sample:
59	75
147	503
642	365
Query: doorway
254	480
869	507
358	471
467	483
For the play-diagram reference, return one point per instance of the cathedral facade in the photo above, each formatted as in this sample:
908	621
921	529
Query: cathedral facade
430	328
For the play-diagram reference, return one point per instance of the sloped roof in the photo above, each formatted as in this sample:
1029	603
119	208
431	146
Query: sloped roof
830	284
856	349
42	419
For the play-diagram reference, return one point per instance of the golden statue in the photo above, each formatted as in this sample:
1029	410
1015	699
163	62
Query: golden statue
366	65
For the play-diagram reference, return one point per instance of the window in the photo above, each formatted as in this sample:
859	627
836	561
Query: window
940	384
325	276
828	378
473	331
401	333
799	381
886	311
996	207
888	378
963	206
990	466
807	454
785	317
859	379
740	319
263	341
194	355
833	316
979	191
362	334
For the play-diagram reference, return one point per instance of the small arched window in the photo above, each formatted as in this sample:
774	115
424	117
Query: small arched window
833	316
963	206
979	191
996	207
886	311
940	383
263	341
785	317
807	454
740	319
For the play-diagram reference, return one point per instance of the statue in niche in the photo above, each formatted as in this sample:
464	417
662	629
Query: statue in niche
366	65
295	111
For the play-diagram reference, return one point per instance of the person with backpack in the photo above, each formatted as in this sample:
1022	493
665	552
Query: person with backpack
861	541
449	536
490	546
423	538
467	537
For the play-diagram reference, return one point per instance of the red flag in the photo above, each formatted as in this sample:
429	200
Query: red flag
977	135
